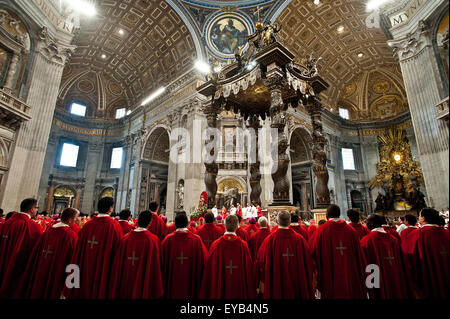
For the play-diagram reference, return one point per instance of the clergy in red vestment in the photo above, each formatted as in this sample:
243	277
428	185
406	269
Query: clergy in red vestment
97	244
124	221
192	227
251	228
312	227
137	267
229	271
255	240
171	228
209	232
410	223
240	231
19	235
338	257
390	229
430	246
285	263
183	261
295	226
46	270
382	249
220	224
354	217
158	226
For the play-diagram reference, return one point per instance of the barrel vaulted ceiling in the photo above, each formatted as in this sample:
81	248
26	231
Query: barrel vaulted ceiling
160	42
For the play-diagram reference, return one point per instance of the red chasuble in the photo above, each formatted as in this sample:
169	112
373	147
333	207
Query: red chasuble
183	262
338	257
384	250
158	227
221	228
404	235
75	228
19	235
286	266
137	268
229	271
311	229
192	229
393	232
251	229
209	233
255	241
97	244
171	228
360	229
46	270
300	230
431	261
126	227
242	233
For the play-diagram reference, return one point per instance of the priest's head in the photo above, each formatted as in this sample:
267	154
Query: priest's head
429	216
374	221
284	218
181	220
410	220
125	214
145	218
231	223
29	206
69	215
209	218
262	221
353	215
153	206
333	211
105	205
294	218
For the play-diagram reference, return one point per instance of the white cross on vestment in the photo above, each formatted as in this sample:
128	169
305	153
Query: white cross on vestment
182	258
5	236
287	254
341	248
46	252
133	258
92	242
231	267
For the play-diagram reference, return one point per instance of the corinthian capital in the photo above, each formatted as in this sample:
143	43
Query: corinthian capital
413	43
52	49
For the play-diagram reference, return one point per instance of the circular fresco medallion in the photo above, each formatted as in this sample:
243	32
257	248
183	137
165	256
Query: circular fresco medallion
85	86
226	32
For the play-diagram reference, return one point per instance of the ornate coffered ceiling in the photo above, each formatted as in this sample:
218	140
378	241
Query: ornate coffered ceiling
155	48
162	39
313	29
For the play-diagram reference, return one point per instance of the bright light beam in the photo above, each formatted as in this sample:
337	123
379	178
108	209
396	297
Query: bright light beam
154	95
375	4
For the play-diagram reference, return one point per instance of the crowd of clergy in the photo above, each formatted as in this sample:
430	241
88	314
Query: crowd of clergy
101	257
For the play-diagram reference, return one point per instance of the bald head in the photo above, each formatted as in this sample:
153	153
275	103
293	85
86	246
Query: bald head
262	222
284	218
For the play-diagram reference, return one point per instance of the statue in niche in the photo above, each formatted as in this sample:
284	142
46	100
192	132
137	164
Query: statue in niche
379	202
231	197
180	192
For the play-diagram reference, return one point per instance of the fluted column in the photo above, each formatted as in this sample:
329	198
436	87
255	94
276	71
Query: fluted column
31	143
422	83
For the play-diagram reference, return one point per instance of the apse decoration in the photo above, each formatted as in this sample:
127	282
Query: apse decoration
397	174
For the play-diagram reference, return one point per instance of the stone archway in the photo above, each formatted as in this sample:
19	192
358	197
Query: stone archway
300	153
154	167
